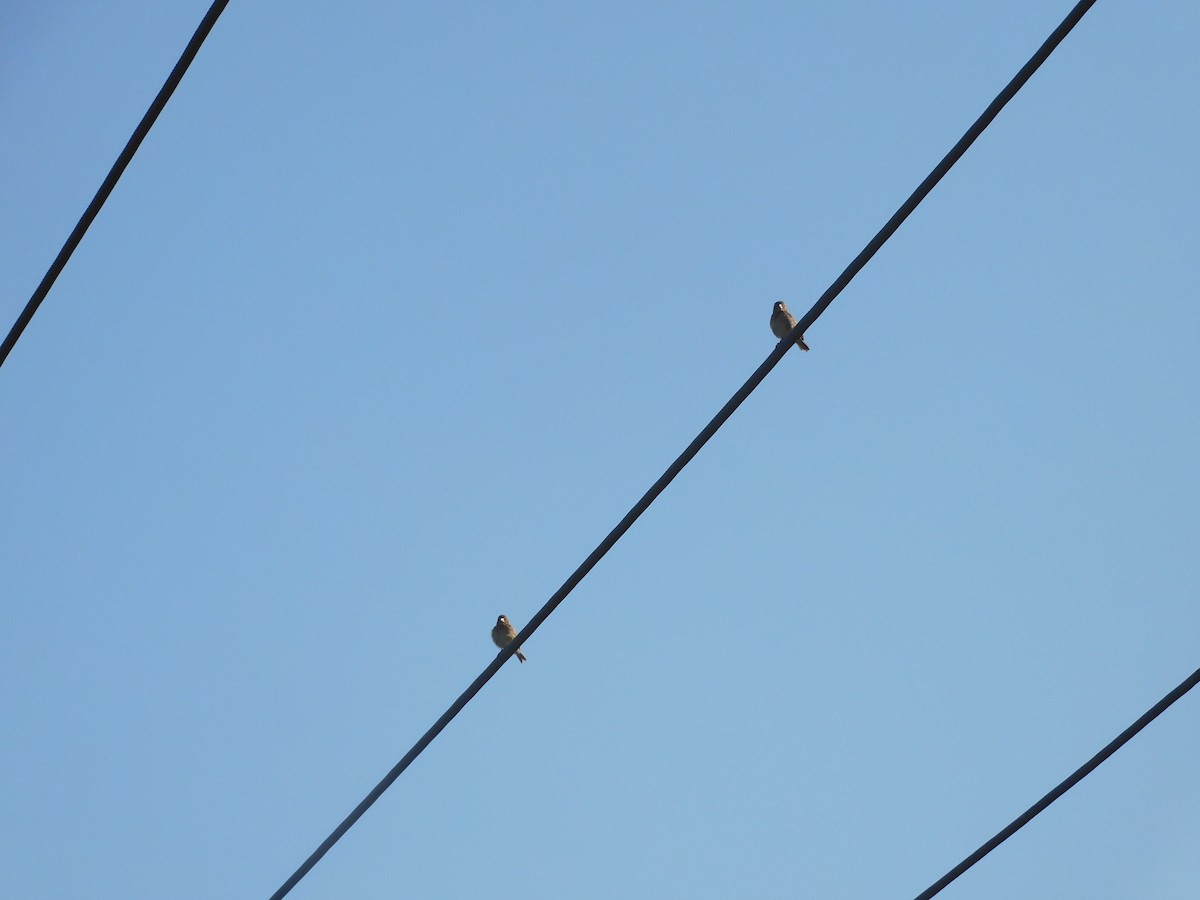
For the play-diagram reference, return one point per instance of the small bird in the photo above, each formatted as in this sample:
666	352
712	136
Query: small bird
782	322
503	634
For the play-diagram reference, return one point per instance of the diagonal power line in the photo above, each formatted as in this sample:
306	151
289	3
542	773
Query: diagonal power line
1010	90
114	175
1063	786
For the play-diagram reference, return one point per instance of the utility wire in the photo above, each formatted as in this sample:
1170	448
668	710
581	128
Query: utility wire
701	439
114	175
1073	779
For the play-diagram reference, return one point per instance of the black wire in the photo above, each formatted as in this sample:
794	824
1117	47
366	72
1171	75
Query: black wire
1073	779
701	439
955	154
114	175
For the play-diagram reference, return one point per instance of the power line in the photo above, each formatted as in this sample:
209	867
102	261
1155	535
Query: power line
114	175
1073	779
701	439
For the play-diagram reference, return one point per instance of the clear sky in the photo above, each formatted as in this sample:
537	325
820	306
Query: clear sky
401	306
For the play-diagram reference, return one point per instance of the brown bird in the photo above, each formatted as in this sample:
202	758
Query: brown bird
503	634
782	322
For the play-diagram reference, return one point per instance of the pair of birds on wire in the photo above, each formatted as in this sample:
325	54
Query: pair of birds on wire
782	323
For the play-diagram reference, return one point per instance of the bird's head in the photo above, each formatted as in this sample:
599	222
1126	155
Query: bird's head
502	620
780	306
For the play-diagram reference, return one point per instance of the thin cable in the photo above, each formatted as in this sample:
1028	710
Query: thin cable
1073	779
701	439
114	175
948	161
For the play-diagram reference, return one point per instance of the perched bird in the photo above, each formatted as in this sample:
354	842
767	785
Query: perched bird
503	634
782	322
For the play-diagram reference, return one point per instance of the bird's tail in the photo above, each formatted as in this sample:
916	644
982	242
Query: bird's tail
800	343
520	656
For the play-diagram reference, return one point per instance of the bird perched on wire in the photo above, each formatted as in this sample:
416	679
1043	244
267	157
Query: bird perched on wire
503	634
782	323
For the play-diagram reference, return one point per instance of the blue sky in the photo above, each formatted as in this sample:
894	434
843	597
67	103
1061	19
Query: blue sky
400	307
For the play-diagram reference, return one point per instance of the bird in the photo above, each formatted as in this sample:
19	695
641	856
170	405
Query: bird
782	323
503	634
